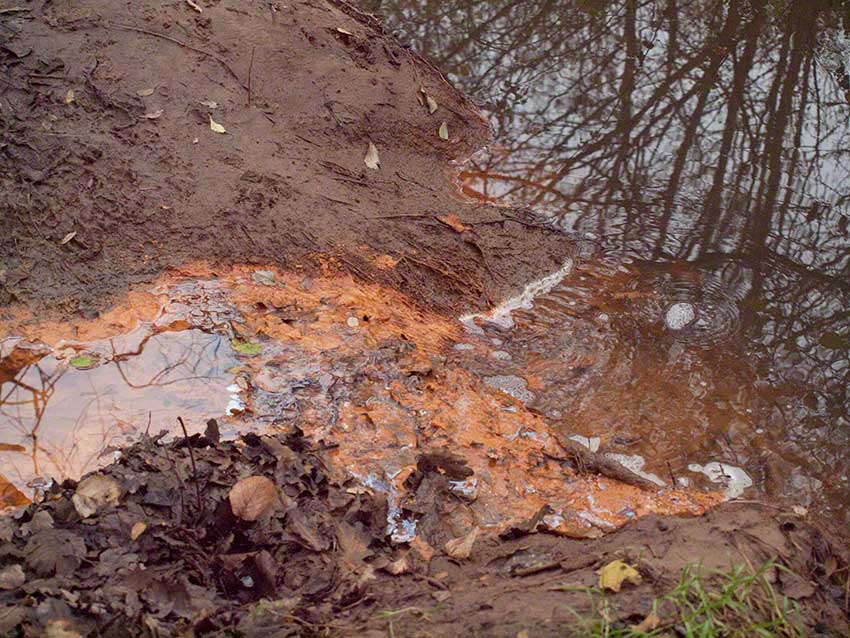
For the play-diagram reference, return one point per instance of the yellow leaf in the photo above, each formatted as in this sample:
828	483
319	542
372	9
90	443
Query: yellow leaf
614	574
444	131
372	160
138	529
216	127
432	103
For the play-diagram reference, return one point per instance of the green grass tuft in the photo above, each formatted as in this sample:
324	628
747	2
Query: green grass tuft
739	603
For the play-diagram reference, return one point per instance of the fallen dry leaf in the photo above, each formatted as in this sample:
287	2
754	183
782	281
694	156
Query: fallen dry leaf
343	31
453	222
398	567
195	6
252	497
60	629
70	96
614	574
215	127
444	131
94	493
461	548
372	160
432	105
12	577
210	104
144	92
650	623
155	115
138	529
68	237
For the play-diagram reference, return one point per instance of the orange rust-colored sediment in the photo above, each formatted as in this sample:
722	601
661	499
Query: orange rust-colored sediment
403	398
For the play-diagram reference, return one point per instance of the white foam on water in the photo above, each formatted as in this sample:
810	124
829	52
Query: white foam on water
736	479
634	463
680	315
501	315
590	442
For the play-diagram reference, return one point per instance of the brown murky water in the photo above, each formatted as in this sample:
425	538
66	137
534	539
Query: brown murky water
697	153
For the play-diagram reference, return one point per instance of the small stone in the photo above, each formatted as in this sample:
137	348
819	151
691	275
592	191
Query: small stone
352	322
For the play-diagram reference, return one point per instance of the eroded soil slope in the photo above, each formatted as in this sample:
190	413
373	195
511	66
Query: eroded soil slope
106	133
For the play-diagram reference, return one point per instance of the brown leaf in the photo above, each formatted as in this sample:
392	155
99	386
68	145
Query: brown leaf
830	566
12	577
95	493
453	222
54	551
252	497
398	567
650	623
461	548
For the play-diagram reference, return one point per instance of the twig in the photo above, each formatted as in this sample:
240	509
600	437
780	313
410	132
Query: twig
250	69
192	458
127	27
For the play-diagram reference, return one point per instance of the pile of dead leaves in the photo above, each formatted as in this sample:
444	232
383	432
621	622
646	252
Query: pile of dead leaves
192	537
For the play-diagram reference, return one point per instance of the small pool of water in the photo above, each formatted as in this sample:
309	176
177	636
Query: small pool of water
59	421
695	155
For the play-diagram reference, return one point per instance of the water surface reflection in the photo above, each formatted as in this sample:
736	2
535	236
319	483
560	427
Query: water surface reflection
57	421
698	151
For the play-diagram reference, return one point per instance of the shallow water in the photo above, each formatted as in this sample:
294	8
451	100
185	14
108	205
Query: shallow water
696	153
58	421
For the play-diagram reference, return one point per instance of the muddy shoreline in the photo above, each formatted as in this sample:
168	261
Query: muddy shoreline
113	175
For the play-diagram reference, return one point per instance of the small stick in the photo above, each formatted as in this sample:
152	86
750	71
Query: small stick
250	69
672	476
192	458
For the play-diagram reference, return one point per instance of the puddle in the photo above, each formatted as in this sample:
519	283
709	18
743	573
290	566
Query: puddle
58	421
273	353
706	191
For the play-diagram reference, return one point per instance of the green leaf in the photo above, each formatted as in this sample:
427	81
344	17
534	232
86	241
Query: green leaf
83	361
246	347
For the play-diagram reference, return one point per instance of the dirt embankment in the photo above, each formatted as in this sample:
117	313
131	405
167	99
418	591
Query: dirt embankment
115	169
106	133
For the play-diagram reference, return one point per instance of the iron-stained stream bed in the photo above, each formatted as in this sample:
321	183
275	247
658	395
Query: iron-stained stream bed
695	152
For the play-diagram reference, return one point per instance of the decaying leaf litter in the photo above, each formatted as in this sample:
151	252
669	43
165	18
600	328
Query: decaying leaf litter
317	558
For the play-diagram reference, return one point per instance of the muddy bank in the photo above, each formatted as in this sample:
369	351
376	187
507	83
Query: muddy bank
112	173
256	537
